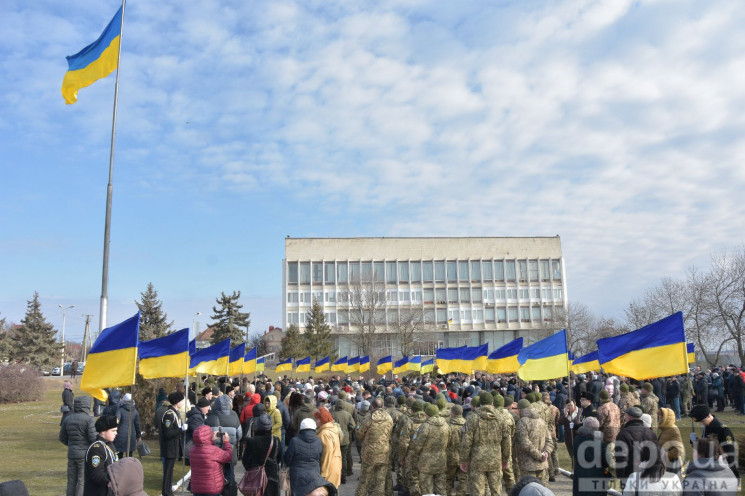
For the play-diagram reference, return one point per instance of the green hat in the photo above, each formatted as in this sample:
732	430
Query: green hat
418	406
495	393
401	399
624	388
410	401
441	402
475	401
499	401
485	399
508	400
457	410
342	395
533	397
523	403
604	396
647	387
432	410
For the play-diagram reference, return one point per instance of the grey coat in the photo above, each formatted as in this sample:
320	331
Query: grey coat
78	429
709	477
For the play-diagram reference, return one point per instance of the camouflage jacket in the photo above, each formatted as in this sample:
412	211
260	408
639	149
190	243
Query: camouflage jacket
649	405
531	440
395	414
508	419
375	435
625	402
360	418
456	434
486	442
428	447
407	432
610	421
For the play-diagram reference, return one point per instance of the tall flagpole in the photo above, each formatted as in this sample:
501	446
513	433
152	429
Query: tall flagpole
103	310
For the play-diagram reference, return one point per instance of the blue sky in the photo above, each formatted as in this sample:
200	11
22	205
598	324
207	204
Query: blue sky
617	125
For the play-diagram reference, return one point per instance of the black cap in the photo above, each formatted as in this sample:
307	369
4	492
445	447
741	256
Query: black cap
106	422
203	402
699	412
176	397
206	390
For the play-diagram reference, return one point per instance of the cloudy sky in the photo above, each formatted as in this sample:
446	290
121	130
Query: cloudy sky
617	125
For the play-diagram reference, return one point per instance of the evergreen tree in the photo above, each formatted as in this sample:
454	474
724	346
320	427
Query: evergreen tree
35	341
229	321
153	321
292	344
318	343
5	344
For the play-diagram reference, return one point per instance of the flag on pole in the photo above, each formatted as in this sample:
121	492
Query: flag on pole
212	360
112	360
656	350
353	365
340	365
691	353
165	357
474	358
415	363
401	366
323	365
260	363
428	366
504	360
448	358
236	359
284	366
385	365
364	364
586	363
545	359
249	361
303	365
94	62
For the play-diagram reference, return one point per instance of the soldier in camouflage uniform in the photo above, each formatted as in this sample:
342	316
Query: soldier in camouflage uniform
443	407
454	472
533	443
509	422
362	414
375	434
410	475
428	452
650	403
485	449
552	417
625	402
395	413
635	394
398	427
508	402
686	394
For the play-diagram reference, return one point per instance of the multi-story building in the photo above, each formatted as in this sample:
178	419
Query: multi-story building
466	290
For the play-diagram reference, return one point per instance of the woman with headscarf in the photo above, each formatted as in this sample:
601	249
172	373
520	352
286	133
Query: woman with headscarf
590	460
303	456
68	400
257	450
330	437
670	441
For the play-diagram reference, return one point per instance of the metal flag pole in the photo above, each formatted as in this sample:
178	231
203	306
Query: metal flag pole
103	310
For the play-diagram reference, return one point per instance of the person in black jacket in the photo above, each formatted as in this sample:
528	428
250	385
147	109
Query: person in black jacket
99	456
713	427
633	444
195	418
257	449
169	437
78	431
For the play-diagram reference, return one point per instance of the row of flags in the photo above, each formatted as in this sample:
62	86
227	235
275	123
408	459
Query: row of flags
345	365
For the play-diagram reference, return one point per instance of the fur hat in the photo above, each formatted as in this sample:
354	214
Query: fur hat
106	422
175	398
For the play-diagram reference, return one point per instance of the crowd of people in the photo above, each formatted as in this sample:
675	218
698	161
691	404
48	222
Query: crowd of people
444	434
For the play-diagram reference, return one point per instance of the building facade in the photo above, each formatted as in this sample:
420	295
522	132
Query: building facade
459	291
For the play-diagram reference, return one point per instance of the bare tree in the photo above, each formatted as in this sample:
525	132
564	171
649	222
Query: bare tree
700	319
579	323
726	295
410	329
367	304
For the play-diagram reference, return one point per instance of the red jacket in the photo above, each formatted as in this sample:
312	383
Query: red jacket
207	462
248	410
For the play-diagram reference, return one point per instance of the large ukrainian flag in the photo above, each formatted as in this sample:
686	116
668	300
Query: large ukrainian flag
586	363
385	365
504	360
364	364
284	366
213	360
415	363
165	357
546	359
448	358
236	359
323	365
94	62
656	350
249	361
353	365
340	365
428	366
401	366
112	360
303	365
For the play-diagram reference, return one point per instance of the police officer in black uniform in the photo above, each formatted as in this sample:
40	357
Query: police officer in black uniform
99	456
714	427
587	409
170	439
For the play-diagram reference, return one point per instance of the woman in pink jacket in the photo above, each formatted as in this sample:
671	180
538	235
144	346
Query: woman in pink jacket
207	460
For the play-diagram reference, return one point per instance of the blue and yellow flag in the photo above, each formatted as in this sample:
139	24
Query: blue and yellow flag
448	358
691	353
323	365
503	360
94	62
385	365
340	365
353	365
303	365
401	366
428	366
112	360
165	357
192	346
260	363
249	361
284	366
586	363
546	359
236	359
364	364
656	350
415	363
212	360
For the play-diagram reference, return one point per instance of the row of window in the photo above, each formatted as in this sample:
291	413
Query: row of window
444	316
441	296
423	271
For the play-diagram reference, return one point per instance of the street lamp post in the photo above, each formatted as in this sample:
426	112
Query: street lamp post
62	365
194	324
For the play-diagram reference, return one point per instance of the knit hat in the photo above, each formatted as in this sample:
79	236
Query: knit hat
258	410
647	387
364	405
456	410
485	399
624	388
390	401
508	400
106	422
417	406
175	398
308	423
523	403
203	402
475	402
126	398
401	399
499	401
646	420
215	390
604	396
699	412
441	402
432	410
263	423
592	423
342	395
410	401
323	396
